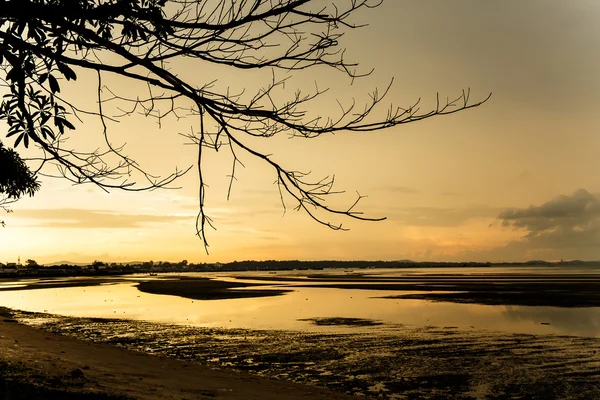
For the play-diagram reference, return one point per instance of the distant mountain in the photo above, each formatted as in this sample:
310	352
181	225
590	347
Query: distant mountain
577	262
65	263
537	262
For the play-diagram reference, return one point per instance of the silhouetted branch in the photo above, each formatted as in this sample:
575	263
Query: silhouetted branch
44	40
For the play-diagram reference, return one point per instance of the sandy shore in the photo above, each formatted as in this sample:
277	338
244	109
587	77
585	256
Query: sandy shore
378	359
59	363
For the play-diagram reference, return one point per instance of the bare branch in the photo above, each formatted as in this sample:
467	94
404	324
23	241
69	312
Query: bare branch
44	42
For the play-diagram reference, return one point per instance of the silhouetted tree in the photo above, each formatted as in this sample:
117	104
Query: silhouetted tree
31	263
16	179
44	43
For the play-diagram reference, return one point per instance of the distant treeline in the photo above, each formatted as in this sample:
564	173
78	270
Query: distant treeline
99	268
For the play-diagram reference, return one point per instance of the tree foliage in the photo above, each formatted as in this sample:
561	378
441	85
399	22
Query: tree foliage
30	263
16	179
44	43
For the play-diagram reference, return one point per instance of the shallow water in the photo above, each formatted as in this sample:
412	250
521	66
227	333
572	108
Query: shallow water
298	309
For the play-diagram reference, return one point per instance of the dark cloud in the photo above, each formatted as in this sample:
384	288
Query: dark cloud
573	214
565	222
80	218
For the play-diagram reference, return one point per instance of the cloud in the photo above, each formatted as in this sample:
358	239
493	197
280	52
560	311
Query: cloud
564	227
80	218
575	215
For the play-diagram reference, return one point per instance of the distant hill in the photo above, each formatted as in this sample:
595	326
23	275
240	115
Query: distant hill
537	262
65	263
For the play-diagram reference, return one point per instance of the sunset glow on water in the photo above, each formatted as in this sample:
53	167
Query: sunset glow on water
294	310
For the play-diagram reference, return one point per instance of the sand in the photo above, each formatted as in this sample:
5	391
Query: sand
98	368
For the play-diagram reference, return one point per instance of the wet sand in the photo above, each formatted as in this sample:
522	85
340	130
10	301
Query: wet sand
205	289
56	283
37	364
556	290
188	287
386	362
377	360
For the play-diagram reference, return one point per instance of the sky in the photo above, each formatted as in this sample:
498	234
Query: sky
515	179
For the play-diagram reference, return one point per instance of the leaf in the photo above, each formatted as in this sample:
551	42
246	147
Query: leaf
59	124
44	118
13	132
54	87
12	75
68	124
47	131
66	71
62	121
18	141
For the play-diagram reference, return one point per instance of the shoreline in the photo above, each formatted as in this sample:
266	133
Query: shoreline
59	366
440	363
366	358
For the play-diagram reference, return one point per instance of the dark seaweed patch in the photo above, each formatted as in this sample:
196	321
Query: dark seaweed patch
340	321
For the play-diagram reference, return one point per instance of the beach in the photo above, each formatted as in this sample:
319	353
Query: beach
535	336
51	365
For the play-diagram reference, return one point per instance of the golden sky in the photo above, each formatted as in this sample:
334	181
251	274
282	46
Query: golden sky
515	179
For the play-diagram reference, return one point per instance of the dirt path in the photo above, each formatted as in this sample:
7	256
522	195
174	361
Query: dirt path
96	368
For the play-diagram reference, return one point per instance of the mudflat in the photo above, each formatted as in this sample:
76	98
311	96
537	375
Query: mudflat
205	289
43	365
370	360
189	287
555	290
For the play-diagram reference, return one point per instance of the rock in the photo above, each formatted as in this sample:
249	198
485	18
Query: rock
76	374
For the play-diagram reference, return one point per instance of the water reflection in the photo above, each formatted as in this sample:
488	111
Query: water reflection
296	310
572	321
